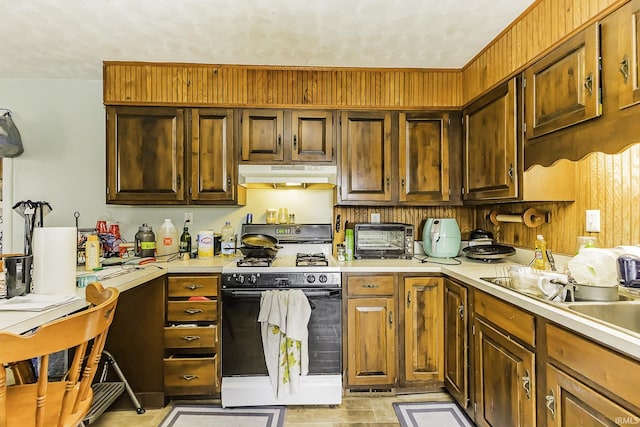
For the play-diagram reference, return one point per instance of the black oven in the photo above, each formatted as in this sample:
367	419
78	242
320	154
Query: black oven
242	353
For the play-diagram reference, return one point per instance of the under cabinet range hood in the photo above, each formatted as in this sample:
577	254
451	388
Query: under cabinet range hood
288	176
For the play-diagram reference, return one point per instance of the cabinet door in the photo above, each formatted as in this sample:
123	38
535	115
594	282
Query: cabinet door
145	155
456	357
371	337
262	135
365	149
423	157
629	55
563	88
504	379
570	403
491	139
423	329
312	136
213	156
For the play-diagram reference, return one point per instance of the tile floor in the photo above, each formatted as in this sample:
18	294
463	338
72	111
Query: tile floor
366	409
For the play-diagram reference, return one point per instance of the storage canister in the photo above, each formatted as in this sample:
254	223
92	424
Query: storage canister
145	241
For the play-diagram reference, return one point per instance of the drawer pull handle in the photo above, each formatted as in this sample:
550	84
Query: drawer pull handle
193	311
408	299
370	286
390	319
194	287
190	377
461	311
588	83
191	337
624	68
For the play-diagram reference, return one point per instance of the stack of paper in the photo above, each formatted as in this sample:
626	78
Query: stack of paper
35	302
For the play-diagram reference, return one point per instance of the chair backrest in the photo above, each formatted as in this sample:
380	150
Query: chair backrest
62	402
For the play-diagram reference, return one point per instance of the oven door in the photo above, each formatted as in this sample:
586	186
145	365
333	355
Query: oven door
242	353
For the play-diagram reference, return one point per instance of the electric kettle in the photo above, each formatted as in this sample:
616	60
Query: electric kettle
441	238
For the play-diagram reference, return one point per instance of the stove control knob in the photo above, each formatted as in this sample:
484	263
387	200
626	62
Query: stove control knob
323	278
252	279
311	278
239	278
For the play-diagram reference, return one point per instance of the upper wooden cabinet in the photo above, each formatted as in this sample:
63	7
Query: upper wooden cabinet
423	161
629	55
155	157
491	145
365	157
563	88
283	136
396	158
145	155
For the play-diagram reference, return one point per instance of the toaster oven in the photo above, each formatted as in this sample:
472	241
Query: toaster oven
383	240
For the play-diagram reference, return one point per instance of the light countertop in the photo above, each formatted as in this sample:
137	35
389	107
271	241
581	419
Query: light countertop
468	271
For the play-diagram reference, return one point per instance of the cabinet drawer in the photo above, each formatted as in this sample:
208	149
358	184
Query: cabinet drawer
610	370
198	337
190	375
511	319
192	311
186	286
371	285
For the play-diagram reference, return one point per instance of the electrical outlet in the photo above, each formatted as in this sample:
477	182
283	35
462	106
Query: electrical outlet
593	221
188	217
375	217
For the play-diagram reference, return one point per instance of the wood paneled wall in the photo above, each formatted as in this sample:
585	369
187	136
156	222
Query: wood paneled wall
262	86
535	32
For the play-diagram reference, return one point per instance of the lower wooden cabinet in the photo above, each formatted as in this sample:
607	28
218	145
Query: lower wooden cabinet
388	346
456	342
423	330
505	374
191	336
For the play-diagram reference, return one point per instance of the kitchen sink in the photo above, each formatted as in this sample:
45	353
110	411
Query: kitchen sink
625	314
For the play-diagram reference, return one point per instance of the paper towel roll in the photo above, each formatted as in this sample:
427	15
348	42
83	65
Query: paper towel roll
54	260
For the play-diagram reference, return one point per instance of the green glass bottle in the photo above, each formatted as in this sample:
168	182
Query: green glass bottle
185	241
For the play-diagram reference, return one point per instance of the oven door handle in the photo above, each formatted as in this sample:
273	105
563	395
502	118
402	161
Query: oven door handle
254	293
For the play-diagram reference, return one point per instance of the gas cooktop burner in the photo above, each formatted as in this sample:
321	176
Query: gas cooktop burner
254	262
311	260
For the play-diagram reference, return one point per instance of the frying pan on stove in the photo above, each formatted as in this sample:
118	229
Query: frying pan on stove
257	240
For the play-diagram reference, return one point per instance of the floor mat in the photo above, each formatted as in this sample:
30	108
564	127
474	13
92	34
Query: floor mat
431	414
209	416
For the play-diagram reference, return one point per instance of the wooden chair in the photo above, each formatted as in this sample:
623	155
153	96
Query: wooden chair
48	403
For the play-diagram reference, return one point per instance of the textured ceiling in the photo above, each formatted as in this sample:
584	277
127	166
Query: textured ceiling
70	38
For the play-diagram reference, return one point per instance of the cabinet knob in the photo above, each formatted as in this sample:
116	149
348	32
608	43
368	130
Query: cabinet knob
369	286
229	180
624	68
191	337
402	182
390	319
279	140
178	181
408	299
189	377
193	287
295	141
526	384
461	311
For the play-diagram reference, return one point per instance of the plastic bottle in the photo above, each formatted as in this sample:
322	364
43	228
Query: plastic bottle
348	245
145	241
540	261
185	241
227	241
167	242
92	253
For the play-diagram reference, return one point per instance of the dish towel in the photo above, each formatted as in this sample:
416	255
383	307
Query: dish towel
284	316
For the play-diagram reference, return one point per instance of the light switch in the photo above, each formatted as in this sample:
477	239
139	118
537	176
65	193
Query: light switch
375	217
593	221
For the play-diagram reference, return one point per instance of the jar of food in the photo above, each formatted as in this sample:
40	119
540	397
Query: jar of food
271	216
283	216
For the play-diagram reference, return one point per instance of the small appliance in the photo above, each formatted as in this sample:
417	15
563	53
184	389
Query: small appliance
383	240
441	238
629	271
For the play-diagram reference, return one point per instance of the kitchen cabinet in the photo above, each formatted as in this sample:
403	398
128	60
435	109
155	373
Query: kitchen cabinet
504	363
456	342
563	88
370	356
287	136
628	55
423	330
155	157
586	382
191	336
136	342
491	145
395	158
